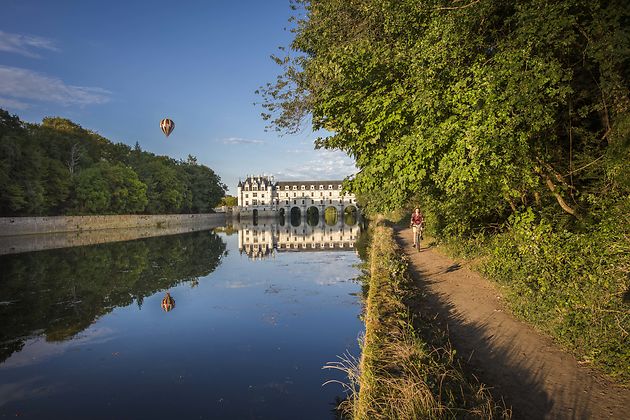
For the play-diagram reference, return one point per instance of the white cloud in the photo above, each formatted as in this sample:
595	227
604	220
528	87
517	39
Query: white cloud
20	84
239	140
329	164
25	44
7	103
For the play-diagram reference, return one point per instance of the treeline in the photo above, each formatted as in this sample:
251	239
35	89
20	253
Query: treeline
59	168
508	122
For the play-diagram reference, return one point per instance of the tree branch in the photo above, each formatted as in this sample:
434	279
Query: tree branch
458	7
554	191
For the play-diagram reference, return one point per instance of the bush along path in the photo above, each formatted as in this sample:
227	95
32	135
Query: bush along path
532	374
407	369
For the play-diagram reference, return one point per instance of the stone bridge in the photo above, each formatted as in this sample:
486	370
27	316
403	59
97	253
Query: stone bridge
263	196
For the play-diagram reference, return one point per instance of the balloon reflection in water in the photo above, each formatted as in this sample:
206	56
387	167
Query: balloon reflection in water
168	303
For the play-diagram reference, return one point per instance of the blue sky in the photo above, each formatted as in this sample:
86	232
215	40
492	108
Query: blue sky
118	67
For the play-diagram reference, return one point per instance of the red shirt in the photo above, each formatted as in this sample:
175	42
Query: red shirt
417	219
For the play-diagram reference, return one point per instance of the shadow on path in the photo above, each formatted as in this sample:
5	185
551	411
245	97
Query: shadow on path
519	364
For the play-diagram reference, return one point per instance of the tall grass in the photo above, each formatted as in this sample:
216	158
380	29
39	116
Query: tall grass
401	373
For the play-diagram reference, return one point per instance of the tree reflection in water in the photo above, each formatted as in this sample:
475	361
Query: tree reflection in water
63	291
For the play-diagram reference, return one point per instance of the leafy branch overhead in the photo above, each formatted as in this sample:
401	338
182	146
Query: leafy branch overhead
479	107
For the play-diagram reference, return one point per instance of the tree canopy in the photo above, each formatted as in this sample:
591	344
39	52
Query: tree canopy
57	167
478	107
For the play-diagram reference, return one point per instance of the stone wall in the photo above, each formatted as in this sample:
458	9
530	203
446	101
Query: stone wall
13	226
27	234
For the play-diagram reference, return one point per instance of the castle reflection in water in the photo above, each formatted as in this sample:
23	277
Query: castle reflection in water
267	237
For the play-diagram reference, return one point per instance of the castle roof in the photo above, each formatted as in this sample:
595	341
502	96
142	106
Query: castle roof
308	183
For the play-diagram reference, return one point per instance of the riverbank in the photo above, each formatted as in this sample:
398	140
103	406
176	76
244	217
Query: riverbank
534	375
26	234
408	368
14	226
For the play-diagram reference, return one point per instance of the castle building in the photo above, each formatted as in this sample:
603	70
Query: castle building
264	196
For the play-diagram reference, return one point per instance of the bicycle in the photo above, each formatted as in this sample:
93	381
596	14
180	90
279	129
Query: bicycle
418	231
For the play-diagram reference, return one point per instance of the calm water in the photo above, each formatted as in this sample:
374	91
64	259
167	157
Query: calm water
84	333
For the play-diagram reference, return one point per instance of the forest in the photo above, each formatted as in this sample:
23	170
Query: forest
59	168
507	122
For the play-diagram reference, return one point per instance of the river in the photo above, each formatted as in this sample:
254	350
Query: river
254	314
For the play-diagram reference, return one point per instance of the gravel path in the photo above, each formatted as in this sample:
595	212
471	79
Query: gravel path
532	374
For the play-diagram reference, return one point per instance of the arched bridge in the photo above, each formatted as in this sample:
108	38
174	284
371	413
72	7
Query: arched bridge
264	196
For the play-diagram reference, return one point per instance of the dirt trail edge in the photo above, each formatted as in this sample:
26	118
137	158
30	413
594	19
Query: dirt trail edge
534	376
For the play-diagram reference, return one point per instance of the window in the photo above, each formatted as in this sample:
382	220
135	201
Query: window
254	194
286	187
294	194
287	201
330	194
338	187
302	187
247	203
330	187
321	187
246	187
312	187
295	187
246	196
302	201
262	195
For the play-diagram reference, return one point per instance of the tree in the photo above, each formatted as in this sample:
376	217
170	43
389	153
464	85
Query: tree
165	190
229	201
58	167
479	110
92	191
107	188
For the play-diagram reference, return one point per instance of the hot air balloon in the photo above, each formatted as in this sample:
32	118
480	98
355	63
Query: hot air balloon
168	303
167	125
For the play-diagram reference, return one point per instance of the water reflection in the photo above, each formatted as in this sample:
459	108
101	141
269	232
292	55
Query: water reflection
168	303
120	331
266	239
61	292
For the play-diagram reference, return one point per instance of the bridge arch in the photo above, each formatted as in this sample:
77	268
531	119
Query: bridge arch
296	216
312	216
350	215
255	217
331	215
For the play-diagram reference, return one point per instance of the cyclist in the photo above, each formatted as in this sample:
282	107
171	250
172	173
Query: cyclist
417	223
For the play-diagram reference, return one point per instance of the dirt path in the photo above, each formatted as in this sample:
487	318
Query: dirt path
535	378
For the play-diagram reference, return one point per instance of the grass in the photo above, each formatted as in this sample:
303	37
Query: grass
402	373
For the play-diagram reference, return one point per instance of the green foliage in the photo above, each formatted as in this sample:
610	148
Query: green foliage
104	188
58	167
479	109
229	200
571	285
508	122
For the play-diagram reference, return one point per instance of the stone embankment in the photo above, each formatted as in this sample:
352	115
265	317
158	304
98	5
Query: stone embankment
24	234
